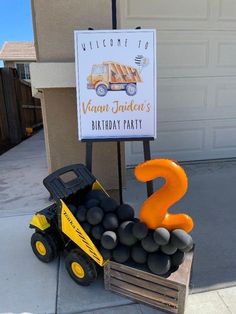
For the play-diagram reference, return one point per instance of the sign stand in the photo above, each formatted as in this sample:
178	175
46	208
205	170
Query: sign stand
145	140
146	153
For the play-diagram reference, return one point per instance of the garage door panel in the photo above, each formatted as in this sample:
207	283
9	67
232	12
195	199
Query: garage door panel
226	52
181	99
178	14
181	140
178	97
222	138
227	10
166	9
196	54
183	54
225	97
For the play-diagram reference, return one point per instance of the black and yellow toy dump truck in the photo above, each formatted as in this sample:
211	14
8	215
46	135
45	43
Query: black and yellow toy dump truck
57	229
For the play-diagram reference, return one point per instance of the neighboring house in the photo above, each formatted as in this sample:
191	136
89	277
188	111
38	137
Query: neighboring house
18	55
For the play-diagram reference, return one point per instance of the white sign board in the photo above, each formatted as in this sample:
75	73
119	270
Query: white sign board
116	83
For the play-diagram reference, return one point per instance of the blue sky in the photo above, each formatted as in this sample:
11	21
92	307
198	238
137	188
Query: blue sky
15	21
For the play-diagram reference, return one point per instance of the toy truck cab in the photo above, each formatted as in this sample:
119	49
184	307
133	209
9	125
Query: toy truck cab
57	228
113	76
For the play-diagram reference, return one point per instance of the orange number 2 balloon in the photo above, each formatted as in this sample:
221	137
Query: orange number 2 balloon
154	210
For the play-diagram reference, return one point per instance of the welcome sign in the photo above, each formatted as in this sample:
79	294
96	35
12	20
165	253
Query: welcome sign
116	83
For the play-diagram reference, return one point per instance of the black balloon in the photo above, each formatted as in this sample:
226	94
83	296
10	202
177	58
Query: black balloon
140	230
125	233
106	254
168	249
110	221
138	254
177	258
92	203
72	208
161	236
121	253
86	226
149	244
188	248
97	194
180	238
97	232
94	215
109	240
159	263
109	204
81	213
125	212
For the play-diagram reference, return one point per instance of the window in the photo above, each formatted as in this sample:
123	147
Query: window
99	69
23	70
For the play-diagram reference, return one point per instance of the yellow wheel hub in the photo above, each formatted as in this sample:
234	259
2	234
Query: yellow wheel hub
77	270
40	247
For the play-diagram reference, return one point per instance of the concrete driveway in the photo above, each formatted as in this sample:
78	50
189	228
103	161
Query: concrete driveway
29	286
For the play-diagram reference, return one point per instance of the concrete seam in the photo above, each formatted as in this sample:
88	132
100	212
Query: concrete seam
139	306
15	215
103	308
222	299
57	287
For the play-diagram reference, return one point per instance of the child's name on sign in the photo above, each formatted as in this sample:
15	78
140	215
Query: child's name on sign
116	84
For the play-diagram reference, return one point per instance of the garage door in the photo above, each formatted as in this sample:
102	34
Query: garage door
196	76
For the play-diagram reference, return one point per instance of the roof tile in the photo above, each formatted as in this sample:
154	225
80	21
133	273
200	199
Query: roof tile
18	50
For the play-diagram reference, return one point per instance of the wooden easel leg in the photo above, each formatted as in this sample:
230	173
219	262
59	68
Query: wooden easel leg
147	156
119	172
89	155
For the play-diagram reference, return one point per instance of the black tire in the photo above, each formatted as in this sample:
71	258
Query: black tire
101	90
44	246
80	267
131	89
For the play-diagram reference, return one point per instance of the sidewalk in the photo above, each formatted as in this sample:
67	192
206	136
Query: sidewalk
27	285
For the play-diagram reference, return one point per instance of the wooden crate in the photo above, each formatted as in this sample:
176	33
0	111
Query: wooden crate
168	294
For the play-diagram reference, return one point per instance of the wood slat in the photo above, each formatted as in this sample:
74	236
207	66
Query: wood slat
4	129
146	284
144	275
140	291
144	300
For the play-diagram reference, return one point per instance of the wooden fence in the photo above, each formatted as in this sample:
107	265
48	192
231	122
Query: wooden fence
20	113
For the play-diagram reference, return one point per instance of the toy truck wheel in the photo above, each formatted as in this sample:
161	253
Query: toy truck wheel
80	268
131	89
44	246
101	90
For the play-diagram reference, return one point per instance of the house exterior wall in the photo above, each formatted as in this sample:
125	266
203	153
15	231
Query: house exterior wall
54	22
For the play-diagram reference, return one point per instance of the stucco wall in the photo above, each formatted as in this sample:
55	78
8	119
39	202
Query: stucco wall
54	23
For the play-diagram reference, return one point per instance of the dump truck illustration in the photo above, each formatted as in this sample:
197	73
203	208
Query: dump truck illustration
115	77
